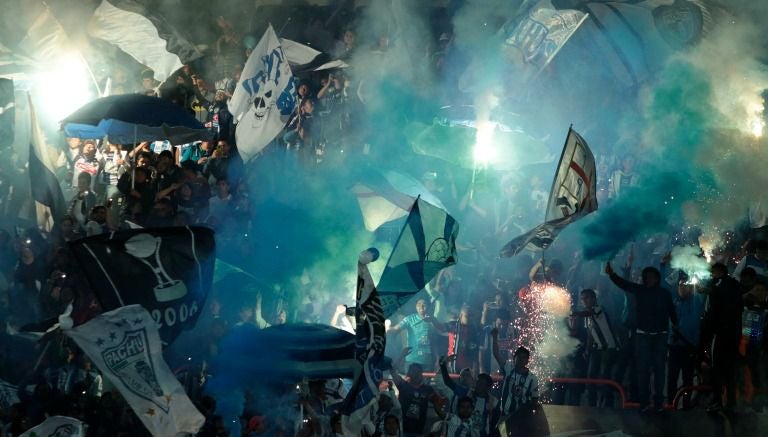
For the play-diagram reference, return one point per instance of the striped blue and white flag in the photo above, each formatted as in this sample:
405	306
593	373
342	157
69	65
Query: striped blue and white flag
427	244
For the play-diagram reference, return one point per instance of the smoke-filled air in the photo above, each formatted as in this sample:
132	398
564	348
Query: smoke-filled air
471	218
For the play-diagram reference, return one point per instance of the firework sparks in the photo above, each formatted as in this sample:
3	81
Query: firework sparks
542	327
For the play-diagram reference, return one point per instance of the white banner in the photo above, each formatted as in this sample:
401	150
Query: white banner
57	426
573	195
264	98
539	35
135	35
125	346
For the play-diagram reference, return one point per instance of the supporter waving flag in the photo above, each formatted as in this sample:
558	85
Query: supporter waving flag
369	348
124	344
168	271
264	98
573	195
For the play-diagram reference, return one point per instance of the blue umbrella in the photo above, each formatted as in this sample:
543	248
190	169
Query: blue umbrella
132	118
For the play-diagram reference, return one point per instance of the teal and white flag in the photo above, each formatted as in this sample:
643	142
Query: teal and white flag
427	244
125	346
57	426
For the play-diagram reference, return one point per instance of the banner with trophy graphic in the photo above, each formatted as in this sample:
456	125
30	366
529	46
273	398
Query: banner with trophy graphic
125	346
168	271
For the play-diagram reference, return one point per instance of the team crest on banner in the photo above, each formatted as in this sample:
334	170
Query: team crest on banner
124	344
130	361
166	270
681	24
541	33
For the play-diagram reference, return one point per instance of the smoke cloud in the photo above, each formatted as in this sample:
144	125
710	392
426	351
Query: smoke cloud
698	125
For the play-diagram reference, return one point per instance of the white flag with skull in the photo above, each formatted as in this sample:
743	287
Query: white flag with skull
125	346
264	98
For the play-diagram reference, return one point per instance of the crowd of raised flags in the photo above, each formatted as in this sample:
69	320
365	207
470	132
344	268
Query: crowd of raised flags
153	283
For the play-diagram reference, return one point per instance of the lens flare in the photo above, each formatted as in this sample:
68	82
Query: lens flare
64	86
485	152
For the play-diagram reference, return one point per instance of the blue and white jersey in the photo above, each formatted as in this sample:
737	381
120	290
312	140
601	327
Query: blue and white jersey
159	146
454	426
519	388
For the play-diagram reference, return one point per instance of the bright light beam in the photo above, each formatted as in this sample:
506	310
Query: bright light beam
63	87
484	152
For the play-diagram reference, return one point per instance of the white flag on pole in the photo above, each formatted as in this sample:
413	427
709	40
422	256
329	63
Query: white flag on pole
573	196
264	98
57	426
125	346
135	35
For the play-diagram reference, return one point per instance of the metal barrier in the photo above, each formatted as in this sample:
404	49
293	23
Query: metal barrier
705	388
609	382
683	391
563	380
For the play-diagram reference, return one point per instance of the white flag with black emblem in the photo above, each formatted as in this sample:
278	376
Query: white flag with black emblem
125	346
57	426
573	195
264	98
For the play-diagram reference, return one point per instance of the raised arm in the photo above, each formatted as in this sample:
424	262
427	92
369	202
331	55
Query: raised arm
535	270
495	345
620	282
396	378
258	317
444	372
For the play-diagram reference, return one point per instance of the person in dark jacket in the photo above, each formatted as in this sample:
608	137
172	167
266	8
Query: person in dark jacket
655	311
721	333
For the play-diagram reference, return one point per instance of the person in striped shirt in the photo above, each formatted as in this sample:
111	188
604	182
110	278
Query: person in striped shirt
602	347
461	424
484	403
520	392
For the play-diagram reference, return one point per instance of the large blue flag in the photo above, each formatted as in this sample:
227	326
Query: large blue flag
427	244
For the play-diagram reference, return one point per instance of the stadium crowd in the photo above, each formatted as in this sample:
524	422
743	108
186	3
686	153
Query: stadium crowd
460	360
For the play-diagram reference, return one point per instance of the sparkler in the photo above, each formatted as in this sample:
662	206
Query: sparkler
542	327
